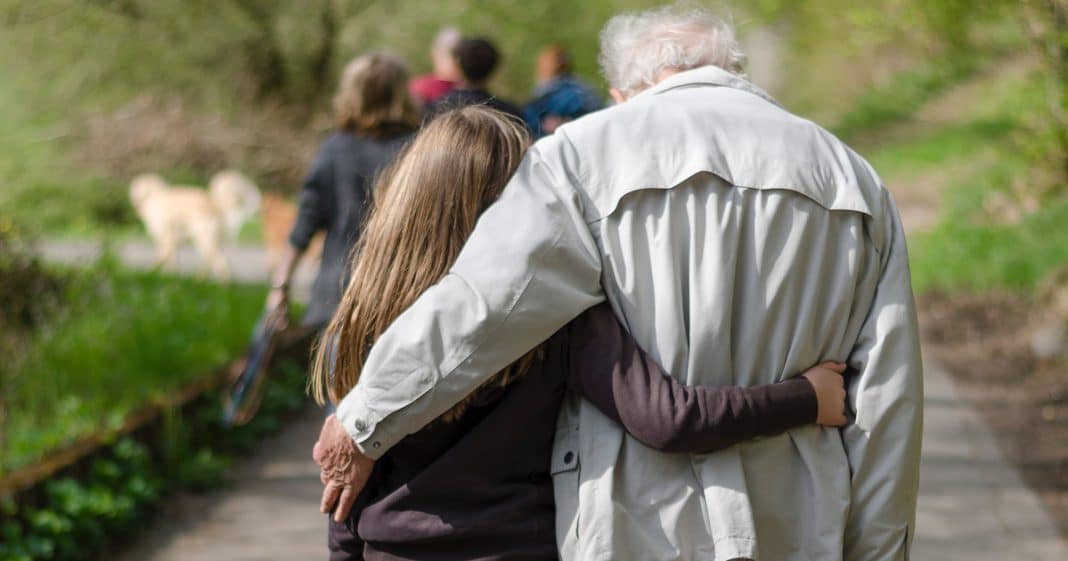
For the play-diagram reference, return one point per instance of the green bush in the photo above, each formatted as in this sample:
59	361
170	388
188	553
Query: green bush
88	509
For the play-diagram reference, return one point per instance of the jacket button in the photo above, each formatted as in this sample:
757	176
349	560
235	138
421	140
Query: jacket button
569	457
376	444
360	425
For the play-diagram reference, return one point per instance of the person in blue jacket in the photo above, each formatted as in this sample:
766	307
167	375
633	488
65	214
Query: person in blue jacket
559	96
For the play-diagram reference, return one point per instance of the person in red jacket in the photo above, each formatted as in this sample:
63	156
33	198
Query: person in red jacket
429	88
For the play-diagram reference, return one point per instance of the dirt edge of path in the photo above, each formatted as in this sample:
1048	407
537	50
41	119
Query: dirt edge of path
983	340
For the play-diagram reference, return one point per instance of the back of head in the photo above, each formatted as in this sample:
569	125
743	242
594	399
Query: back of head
638	48
374	93
441	53
553	61
425	207
477	58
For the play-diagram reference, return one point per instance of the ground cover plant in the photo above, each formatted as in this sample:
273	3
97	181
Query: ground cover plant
84	510
124	340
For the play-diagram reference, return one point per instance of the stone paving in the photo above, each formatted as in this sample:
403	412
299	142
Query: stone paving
270	513
973	504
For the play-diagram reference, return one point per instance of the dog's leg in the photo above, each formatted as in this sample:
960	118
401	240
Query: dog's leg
208	241
222	269
166	251
219	267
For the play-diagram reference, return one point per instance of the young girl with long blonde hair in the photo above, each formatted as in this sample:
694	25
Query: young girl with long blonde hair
477	482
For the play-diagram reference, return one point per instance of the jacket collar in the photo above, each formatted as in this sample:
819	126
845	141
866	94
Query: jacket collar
708	76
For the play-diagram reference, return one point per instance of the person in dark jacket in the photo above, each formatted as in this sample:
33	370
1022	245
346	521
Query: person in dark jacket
477	483
559	96
478	59
375	115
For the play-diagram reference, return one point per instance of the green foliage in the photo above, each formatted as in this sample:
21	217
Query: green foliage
129	339
902	96
40	185
966	254
75	516
986	158
29	292
79	515
242	83
942	146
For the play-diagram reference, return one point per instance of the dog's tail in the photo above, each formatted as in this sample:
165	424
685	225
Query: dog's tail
236	197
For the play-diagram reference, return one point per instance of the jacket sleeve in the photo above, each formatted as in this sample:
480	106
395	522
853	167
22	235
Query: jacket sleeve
529	267
885	394
608	368
312	202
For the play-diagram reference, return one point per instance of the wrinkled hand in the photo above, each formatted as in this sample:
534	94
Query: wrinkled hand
344	469
827	380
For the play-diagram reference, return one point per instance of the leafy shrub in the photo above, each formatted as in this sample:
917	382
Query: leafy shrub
29	292
85	511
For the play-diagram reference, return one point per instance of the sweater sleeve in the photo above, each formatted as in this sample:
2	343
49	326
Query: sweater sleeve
608	368
313	200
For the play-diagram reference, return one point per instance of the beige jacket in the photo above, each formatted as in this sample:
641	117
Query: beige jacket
729	236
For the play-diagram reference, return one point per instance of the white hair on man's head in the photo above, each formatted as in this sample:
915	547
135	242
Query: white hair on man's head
638	47
446	39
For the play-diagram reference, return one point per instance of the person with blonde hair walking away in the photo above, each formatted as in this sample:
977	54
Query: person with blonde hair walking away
374	116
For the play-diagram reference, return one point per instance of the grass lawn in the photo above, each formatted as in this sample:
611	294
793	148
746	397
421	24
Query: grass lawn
986	149
962	253
127	339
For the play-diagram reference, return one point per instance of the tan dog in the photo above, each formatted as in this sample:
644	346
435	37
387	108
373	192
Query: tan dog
206	217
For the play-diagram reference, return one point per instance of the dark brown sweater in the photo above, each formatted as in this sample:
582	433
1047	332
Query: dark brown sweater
479	487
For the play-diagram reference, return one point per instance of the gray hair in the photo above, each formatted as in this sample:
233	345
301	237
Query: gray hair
637	47
446	40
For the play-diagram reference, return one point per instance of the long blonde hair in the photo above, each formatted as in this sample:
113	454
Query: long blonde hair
373	93
425	206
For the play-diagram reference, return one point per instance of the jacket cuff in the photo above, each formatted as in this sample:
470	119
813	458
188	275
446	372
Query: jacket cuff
359	421
300	239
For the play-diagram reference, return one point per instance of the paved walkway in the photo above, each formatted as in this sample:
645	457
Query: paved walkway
973	504
271	513
248	264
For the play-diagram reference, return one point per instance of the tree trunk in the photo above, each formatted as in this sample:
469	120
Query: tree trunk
265	60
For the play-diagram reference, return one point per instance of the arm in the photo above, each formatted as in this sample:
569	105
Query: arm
529	267
311	217
314	200
279	294
886	394
609	369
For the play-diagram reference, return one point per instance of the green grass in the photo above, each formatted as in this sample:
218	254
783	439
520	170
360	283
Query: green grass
39	185
941	146
128	339
902	97
965	252
968	250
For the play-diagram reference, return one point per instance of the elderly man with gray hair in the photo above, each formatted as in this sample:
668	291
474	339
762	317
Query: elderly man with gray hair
721	228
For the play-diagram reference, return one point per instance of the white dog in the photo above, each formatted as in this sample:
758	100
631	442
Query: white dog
206	217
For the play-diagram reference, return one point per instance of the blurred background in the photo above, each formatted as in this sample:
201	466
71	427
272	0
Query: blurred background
107	366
